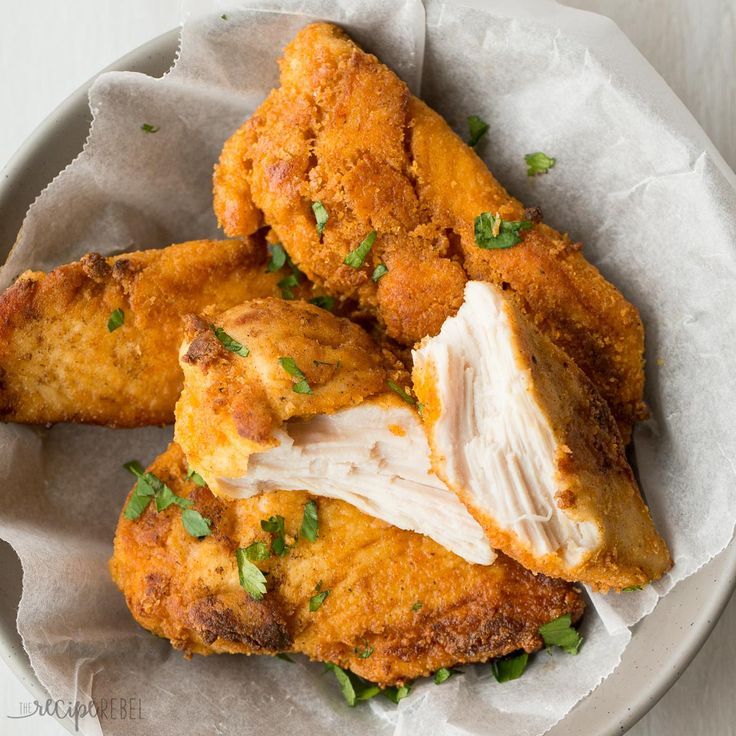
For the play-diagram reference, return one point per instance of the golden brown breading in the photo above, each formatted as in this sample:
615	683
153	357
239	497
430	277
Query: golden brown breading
344	130
187	590
532	450
59	362
231	405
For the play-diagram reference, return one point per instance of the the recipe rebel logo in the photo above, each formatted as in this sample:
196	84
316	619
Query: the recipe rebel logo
103	709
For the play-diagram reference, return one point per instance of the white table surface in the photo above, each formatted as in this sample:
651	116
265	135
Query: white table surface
48	48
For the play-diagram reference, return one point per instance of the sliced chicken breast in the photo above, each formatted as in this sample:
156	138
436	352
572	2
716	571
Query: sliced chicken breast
284	395
375	456
528	444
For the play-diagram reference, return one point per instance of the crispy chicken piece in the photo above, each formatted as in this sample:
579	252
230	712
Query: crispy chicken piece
60	363
418	606
343	130
246	428
528	444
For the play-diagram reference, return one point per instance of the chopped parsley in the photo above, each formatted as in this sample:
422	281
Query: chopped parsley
290	366
252	579
257	551
147	488
323	302
395	694
492	232
195	477
560	633
444	674
538	163
509	668
310	521
196	524
417	606
116	319
275	525
150	487
224	16
316	601
287	285
353	688
400	391
285	657
379	271
632	588
321	216
148	128
230	343
133	466
365	652
356	258
277	257
165	497
477	128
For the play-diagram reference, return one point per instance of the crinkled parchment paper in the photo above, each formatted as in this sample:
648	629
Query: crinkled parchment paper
636	180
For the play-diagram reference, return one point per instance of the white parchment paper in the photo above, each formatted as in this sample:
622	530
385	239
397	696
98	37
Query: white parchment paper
636	180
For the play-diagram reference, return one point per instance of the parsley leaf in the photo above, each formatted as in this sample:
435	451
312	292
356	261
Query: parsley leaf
443	675
632	588
196	524
560	633
224	16
279	546
477	128
142	493
379	271
195	477
316	601
252	579
370	690
165	497
310	521
492	232
365	652
137	504
509	668
353	688
400	391
257	551
133	466
148	128
117	318
395	694
538	163
287	285
321	216
275	525
417	606
229	343
290	366
150	486
285	657
323	302
346	686
356	258
277	258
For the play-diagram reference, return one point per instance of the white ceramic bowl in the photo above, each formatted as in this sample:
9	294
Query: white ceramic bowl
663	643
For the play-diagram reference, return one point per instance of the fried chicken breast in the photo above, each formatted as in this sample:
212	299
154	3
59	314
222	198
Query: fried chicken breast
416	605
528	444
59	361
309	407
345	132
